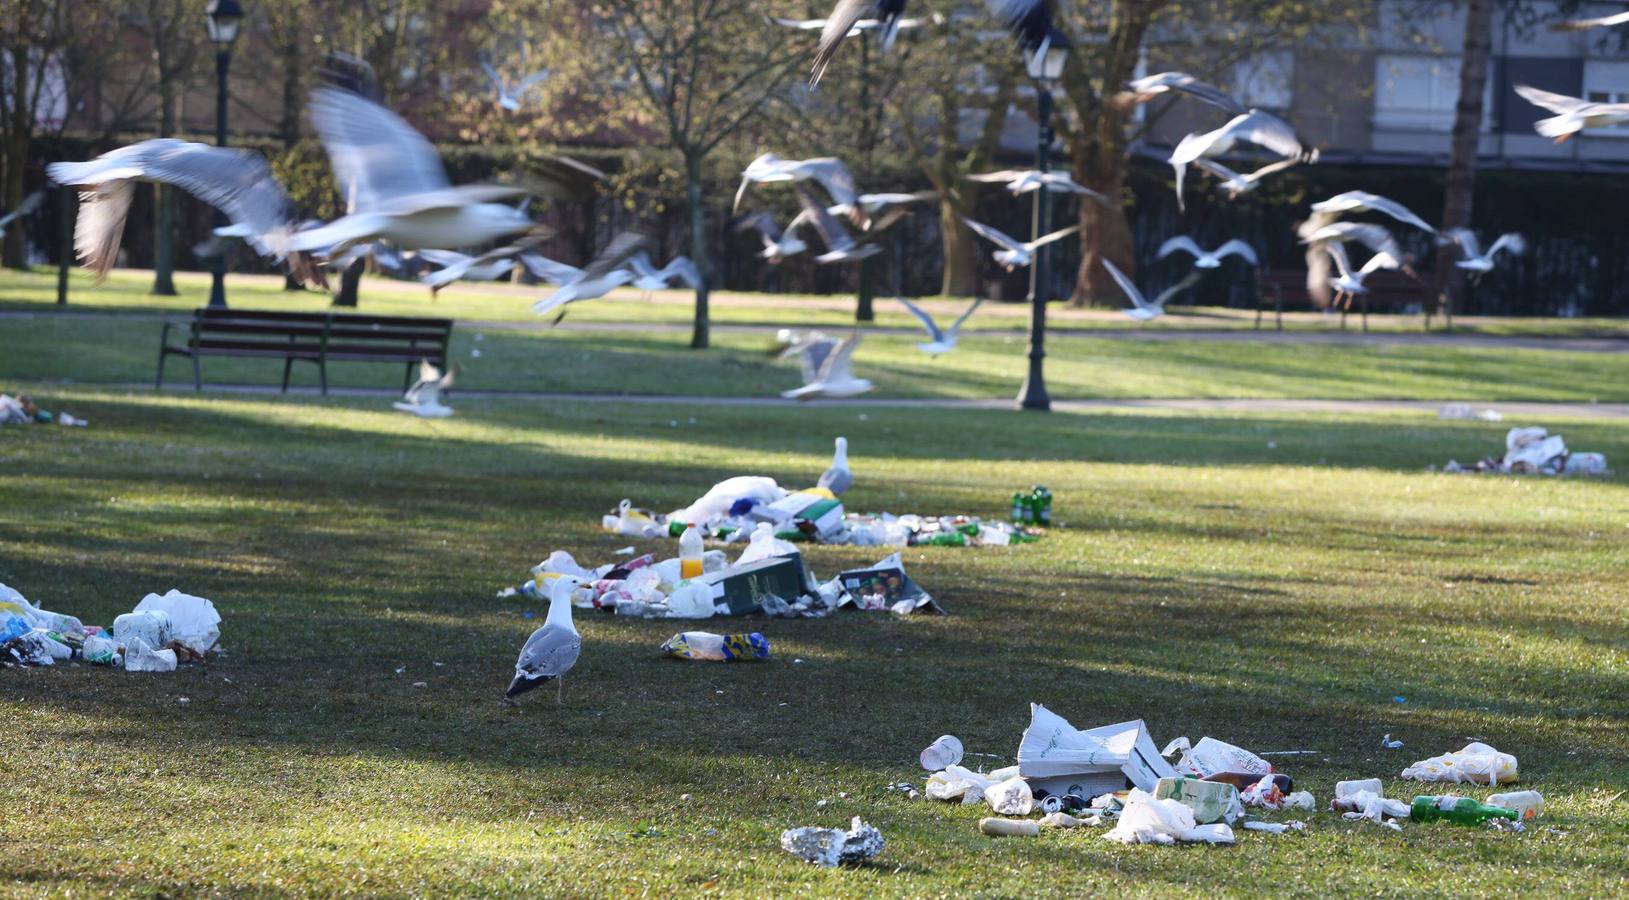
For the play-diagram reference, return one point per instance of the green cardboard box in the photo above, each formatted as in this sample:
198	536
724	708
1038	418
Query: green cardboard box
743	588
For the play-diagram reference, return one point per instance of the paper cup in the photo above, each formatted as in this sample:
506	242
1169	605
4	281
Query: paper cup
946	751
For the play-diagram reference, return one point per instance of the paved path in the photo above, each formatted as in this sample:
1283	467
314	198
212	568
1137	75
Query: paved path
1523	410
1332	337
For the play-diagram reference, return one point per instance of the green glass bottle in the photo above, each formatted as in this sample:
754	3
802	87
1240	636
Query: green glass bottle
1019	517
950	538
1457	810
1043	506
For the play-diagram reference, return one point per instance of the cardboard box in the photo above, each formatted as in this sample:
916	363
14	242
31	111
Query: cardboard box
886	586
743	588
1052	748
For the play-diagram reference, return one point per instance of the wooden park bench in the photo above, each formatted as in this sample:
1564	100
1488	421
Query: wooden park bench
1386	288
312	337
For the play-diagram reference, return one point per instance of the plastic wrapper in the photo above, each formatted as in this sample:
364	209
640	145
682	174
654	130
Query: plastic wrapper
1275	827
1011	797
1211	757
1211	801
1476	763
30	649
830	847
956	783
100	651
717	647
724	499
193	620
1529	803
139	657
763	545
1146	820
150	626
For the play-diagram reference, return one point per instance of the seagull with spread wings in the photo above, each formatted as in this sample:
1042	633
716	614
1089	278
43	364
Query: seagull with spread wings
840	245
778	245
1475	260
1254	127
1237	184
1355	201
1587	24
1013	253
27	207
648	278
509	97
1208	259
845	16
835	378
1145	89
1028	181
607	272
488	266
1143	309
423	399
829	171
941	340
1572	114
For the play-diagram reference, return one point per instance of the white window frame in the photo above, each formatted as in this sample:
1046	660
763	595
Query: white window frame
1607	81
1434	117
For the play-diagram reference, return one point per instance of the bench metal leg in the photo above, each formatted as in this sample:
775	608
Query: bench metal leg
322	374
163	354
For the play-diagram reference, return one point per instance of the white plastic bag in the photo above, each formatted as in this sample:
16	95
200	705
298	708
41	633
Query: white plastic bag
561	563
193	620
764	545
1145	820
138	657
1211	757
957	783
1011	797
1477	763
150	626
690	600
716	503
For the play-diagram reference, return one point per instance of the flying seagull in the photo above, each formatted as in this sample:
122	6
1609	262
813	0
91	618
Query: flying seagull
648	278
552	650
837	478
1353	201
1016	254
237	182
1587	24
810	347
1237	184
1028	181
1255	127
1142	309
423	399
840	245
1211	259
778	245
1572	114
871	204
941	340
1477	261
835	177
889	15
1348	283
605	273
1145	89
29	204
509	98
835	377
488	266
396	186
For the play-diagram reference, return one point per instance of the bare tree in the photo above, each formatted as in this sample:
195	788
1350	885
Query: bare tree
175	32
1460	189
33	34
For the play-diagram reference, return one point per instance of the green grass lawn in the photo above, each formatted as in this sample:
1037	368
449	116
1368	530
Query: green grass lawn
1277	597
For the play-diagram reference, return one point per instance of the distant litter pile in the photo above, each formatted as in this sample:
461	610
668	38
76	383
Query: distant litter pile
1534	451
22	410
161	632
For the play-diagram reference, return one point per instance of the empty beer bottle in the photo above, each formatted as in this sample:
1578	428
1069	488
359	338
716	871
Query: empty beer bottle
1458	810
1041	500
1019	515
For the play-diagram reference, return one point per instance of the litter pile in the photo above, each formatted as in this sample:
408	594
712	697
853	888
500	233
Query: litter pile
21	410
769	577
831	846
1534	451
159	633
1113	777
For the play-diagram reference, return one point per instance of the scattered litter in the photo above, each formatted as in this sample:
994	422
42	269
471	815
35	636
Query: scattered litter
183	700
958	783
624	551
830	846
945	751
1530	804
1063	820
21	410
1458	811
32	636
1213	757
1011	797
885	586
1399	699
1009	827
1210	801
1365	799
1465	411
1530	451
1148	820
1477	763
1275	827
719	647
139	657
193	620
1061	759
1390	744
421	684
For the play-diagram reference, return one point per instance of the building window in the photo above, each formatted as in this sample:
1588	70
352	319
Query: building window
1607	82
1419	93
1264	81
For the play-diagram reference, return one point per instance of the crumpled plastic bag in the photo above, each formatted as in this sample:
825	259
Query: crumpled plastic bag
13	603
764	545
1477	763
1212	757
831	846
193	620
138	657
690	600
150	626
1011	797
1145	820
31	649
958	783
721	498
562	563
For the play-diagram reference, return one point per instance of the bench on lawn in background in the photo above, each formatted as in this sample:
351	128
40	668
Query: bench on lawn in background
315	337
1386	288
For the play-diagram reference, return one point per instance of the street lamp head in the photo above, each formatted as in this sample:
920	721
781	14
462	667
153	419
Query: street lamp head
224	18
1046	61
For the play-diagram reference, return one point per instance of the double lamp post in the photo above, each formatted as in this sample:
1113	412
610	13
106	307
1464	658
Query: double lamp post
224	18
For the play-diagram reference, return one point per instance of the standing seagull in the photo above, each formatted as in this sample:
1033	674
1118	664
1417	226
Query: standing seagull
1028	181
836	377
1353	201
29	204
837	478
1477	261
552	650
1016	254
508	98
237	182
1142	309
1208	259
943	340
396	186
423	399
844	16
778	245
1572	114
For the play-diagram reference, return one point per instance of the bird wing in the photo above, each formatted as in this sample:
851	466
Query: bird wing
1217	169
1029	21
1058	235
1512	242
1126	285
842	18
837	366
102	212
1180	242
446	257
622	248
548	270
763	223
375	154
1271	132
1466	240
532	81
1145	88
1556	103
956	326
1586	24
29	204
682	268
1240	249
834	176
923	317
799	24
1003	177
1337	252
550	652
831	232
641	265
992	235
1166	295
1266	170
492	74
1366	200
812	354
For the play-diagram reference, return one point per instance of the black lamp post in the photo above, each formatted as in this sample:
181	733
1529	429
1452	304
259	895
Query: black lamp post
224	18
1046	67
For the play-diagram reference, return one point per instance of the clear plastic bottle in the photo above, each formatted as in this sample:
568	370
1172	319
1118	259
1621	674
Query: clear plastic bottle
1527	804
690	550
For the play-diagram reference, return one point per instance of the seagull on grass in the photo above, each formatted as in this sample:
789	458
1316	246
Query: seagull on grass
237	182
837	478
1143	309
396	185
1207	259
607	272
835	377
889	16
1028	181
1354	201
1475	260
1572	114
942	340
778	245
29	204
1016	254
423	399
553	649
509	97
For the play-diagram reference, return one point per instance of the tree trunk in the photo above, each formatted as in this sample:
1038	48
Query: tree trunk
1105	232
288	128
164	205
698	246
350	281
961	274
864	310
1467	135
